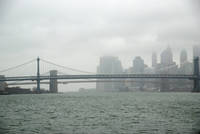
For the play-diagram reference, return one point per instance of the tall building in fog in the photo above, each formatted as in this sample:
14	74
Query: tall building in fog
166	66
154	60
167	57
196	51
138	65
186	67
138	68
183	57
109	65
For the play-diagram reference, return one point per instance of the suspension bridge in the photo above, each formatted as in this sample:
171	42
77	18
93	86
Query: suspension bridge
54	76
92	81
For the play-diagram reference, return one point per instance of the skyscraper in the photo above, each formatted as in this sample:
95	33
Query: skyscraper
167	66
138	68
109	65
138	65
154	60
167	57
183	57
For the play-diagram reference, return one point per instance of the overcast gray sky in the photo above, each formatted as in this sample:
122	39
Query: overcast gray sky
76	33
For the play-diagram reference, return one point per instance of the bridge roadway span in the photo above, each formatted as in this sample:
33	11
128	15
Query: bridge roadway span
94	81
104	76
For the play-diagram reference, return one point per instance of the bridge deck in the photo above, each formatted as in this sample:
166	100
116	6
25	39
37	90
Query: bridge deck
103	76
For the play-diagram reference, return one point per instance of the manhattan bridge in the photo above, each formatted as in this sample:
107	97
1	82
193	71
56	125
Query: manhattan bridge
53	77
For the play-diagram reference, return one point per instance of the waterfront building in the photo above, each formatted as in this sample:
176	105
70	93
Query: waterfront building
138	65
154	60
109	65
138	68
183	57
186	67
166	66
185	85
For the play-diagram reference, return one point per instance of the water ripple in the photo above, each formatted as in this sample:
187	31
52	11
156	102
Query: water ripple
79	113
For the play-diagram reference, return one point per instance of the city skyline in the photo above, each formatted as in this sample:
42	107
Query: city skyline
79	32
174	58
112	65
194	50
166	65
76	33
147	69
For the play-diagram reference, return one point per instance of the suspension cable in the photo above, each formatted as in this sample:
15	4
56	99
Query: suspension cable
68	68
17	66
44	73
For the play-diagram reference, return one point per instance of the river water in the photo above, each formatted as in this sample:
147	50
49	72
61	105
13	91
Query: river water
100	113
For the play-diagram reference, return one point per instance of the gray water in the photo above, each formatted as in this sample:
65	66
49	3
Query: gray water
100	113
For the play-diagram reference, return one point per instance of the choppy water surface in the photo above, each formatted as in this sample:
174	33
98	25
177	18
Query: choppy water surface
100	113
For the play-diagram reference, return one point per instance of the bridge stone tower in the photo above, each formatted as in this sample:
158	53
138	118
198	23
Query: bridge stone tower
53	85
196	74
2	84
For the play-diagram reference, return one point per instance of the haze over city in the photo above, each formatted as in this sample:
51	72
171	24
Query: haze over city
99	66
74	33
77	33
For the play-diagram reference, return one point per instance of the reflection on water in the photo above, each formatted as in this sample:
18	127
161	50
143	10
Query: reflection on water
97	113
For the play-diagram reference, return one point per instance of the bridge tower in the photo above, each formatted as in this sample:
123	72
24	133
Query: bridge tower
196	87
2	83
38	74
53	84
